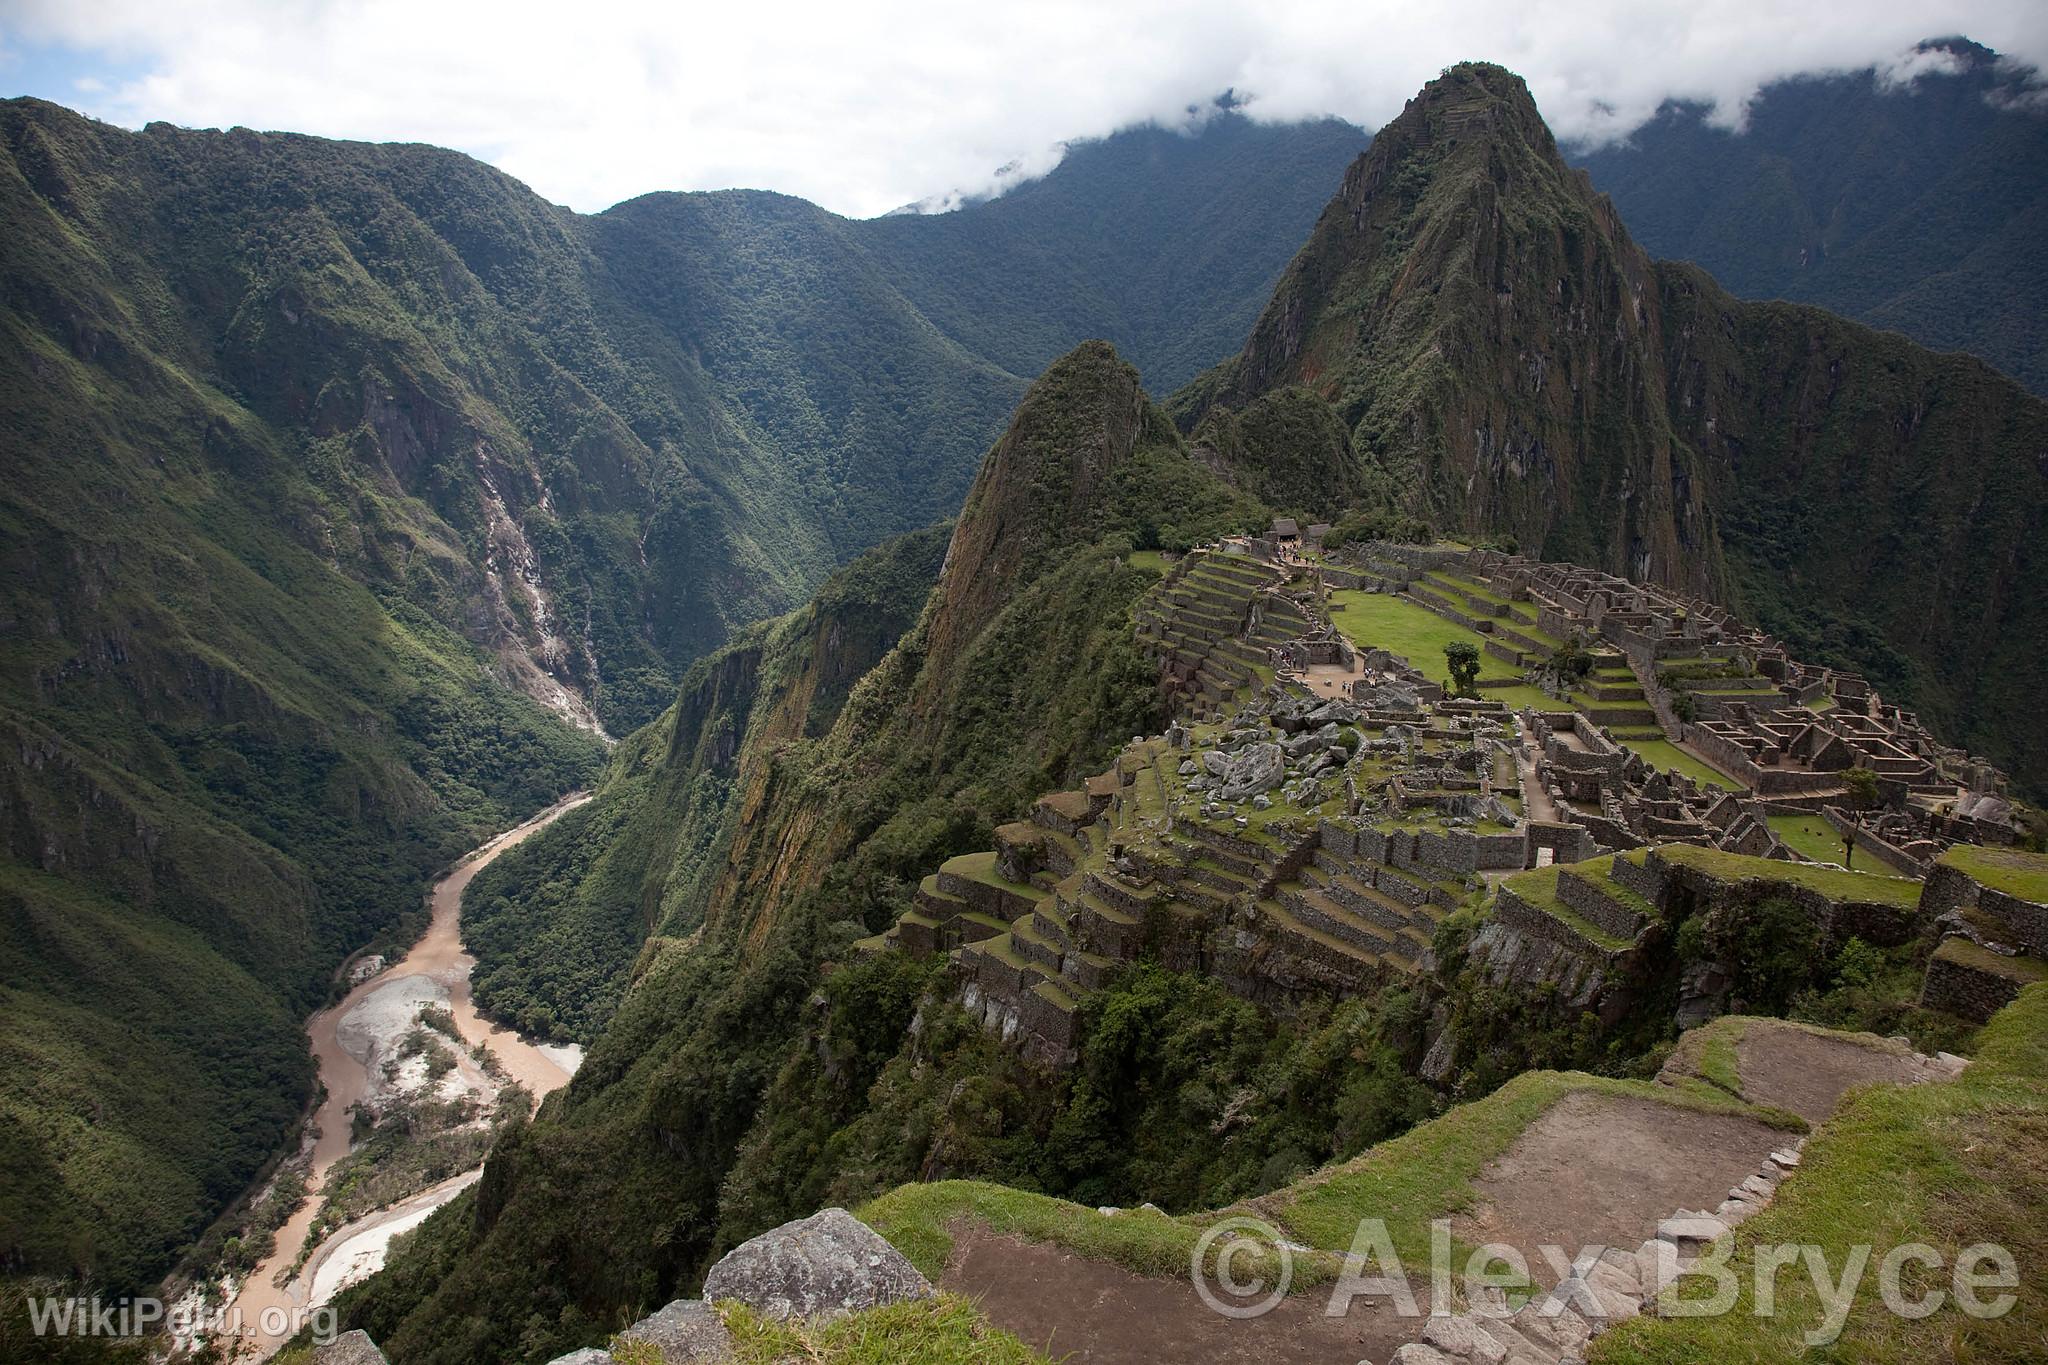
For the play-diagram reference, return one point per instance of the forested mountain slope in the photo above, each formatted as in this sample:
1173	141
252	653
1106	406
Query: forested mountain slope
1020	673
344	480
1919	206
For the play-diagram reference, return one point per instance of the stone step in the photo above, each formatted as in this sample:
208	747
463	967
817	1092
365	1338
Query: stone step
1361	900
1591	893
1103	928
1052	924
1319	911
1089	971
1319	944
1035	946
1112	888
940	905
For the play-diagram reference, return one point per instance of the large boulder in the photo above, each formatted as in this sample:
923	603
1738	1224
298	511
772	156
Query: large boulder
350	1348
825	1266
686	1330
1258	768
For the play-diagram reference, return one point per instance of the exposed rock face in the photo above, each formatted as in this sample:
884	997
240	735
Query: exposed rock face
1253	770
1476	315
686	1330
589	1355
350	1348
824	1266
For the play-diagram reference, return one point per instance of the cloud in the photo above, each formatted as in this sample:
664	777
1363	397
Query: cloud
864	107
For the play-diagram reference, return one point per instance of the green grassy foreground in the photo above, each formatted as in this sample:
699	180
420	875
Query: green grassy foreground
1950	1165
1423	1175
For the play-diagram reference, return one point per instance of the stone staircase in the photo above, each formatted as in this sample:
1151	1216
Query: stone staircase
1194	624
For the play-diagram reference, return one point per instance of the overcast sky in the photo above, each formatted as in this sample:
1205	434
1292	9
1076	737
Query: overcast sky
863	107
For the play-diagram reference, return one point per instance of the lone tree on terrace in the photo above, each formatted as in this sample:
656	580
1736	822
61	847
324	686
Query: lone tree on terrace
1862	785
1463	657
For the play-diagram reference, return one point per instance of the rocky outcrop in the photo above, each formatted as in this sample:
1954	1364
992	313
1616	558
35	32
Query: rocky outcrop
825	1266
819	1268
686	1330
350	1348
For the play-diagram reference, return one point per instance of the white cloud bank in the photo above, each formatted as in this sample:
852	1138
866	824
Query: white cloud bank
862	107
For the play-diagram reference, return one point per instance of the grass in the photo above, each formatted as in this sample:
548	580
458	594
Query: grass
2025	970
1950	1165
1520	695
1147	559
944	1330
1821	704
1834	883
1382	621
981	867
1539	888
1428	1172
1808	835
1662	753
1408	1181
2011	870
918	1221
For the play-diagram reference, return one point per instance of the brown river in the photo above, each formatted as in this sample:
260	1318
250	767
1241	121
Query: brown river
344	1039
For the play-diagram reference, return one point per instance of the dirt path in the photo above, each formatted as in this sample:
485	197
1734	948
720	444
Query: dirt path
435	970
1598	1169
1809	1073
1081	1310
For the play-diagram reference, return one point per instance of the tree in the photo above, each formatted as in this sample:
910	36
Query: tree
1862	785
1463	658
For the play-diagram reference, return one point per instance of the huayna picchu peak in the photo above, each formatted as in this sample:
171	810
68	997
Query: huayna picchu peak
713	781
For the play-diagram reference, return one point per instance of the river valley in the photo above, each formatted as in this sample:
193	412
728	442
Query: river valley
357	1043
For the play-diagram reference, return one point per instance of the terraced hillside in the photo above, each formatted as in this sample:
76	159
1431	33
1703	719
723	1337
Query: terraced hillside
1197	625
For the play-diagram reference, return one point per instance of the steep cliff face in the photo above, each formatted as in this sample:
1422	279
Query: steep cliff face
557	924
1021	579
1507	362
1491	339
1882	507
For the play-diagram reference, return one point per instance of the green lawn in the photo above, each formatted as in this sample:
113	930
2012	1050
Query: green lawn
1382	621
1147	559
1664	754
1809	835
2009	870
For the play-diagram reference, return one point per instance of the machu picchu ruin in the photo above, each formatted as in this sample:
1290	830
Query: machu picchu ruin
1623	756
